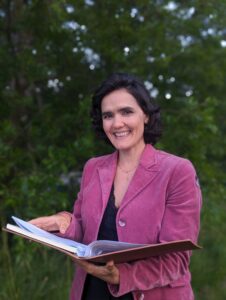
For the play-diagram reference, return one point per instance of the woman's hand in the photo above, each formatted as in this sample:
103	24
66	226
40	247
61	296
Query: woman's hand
108	273
58	222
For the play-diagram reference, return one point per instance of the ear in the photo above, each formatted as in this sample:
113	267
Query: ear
146	119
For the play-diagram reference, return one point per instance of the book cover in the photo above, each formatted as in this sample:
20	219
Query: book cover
98	251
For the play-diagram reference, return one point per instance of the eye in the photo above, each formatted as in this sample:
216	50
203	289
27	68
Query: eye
126	112
106	116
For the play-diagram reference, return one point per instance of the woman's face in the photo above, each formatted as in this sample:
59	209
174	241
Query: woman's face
123	120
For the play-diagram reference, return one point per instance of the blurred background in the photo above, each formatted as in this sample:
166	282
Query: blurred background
53	54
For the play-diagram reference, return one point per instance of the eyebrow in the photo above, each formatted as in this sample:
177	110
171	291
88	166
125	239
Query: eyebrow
119	110
106	113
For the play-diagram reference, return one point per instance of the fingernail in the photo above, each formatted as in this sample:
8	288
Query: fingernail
61	230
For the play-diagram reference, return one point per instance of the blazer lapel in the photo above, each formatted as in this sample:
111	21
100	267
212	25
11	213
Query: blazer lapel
145	173
106	177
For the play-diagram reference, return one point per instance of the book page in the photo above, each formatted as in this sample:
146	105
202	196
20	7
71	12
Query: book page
104	246
28	227
41	239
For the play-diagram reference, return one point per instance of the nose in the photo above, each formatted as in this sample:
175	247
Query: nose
118	121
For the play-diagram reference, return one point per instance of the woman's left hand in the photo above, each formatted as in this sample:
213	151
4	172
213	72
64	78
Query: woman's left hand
108	272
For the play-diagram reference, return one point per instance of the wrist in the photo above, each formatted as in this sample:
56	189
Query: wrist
65	214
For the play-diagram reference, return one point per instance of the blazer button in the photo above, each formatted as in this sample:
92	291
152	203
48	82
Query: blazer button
122	223
141	297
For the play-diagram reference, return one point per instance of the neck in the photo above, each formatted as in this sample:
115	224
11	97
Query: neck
129	159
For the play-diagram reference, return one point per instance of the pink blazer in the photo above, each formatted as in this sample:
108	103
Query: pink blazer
162	204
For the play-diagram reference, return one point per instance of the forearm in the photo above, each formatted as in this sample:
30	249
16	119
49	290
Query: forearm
74	231
150	273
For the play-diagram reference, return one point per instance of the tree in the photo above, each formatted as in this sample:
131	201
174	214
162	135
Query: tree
54	53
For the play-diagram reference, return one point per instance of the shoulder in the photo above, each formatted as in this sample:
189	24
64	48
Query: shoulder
99	161
180	171
174	163
95	163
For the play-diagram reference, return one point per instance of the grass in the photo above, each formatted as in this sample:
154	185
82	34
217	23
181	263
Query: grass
29	271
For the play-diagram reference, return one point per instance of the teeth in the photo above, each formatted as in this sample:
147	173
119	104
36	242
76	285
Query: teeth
119	134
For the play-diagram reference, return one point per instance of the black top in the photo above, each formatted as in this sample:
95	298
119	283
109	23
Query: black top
95	288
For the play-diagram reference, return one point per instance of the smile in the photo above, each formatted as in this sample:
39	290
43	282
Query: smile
121	134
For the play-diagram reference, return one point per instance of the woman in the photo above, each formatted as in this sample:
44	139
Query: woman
137	194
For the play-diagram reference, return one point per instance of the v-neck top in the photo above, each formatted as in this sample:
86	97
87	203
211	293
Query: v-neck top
95	288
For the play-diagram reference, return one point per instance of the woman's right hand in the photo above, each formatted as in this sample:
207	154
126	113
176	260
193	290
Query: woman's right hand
58	222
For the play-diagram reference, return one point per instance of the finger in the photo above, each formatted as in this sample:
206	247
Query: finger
82	263
37	224
34	221
95	270
39	221
110	265
46	223
63	227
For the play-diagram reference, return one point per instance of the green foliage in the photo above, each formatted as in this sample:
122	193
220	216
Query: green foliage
29	271
52	55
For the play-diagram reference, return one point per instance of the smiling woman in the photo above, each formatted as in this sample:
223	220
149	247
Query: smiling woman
123	121
137	194
133	89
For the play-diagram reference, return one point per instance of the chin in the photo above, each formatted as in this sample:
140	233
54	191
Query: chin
122	147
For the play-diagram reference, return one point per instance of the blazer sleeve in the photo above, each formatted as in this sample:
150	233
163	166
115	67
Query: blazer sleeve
75	231
180	221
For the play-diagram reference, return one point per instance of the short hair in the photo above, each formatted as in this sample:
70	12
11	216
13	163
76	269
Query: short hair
117	81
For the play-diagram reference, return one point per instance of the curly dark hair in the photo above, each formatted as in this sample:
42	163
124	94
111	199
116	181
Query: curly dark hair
116	81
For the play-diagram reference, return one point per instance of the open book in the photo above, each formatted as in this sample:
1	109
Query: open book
99	251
